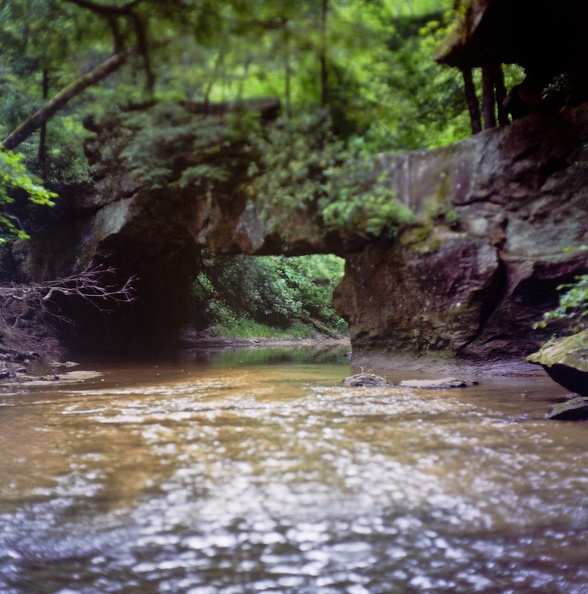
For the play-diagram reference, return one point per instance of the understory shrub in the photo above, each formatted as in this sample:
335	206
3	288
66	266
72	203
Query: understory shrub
237	294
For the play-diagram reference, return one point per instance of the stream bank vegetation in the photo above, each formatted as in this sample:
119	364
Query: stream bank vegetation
573	304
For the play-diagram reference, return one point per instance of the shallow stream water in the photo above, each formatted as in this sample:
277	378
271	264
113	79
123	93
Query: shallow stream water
258	471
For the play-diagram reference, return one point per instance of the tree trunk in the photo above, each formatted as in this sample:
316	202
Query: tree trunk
287	71
488	97
323	54
43	136
49	109
472	100
501	95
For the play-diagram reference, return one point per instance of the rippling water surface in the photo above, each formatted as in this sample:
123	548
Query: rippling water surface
259	472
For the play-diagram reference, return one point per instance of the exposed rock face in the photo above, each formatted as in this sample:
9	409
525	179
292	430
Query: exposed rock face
472	283
566	361
155	234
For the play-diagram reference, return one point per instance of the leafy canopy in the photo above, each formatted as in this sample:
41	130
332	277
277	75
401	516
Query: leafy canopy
367	65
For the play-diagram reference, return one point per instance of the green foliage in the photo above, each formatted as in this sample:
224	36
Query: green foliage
169	145
303	167
423	101
573	305
383	86
45	40
15	177
231	326
240	292
359	199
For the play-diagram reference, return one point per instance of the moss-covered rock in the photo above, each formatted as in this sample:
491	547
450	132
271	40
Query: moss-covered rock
575	409
566	361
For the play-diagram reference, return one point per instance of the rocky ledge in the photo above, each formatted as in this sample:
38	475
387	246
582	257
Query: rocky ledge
501	219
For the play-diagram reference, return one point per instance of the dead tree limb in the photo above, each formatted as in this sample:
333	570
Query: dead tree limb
91	285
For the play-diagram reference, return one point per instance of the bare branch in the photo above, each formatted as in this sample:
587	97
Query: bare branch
91	285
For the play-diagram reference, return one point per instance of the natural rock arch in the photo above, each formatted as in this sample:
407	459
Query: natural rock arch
496	213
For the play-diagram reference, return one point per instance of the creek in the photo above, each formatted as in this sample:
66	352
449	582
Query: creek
257	471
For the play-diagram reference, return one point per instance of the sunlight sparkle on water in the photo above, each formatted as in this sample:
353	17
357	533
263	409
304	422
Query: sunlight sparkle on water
252	480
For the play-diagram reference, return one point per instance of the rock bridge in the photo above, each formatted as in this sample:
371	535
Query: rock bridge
502	219
502	216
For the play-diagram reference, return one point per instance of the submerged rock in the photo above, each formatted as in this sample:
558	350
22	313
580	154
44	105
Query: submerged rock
437	384
571	410
566	361
365	380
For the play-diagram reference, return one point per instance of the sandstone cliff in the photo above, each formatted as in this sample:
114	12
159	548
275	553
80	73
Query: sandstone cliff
507	213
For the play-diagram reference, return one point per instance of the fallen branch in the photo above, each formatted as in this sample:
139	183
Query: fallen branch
317	325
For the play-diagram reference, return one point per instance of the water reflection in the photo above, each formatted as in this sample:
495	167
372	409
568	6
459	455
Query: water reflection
243	475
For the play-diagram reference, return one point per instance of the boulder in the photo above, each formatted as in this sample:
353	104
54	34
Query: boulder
571	410
365	380
566	361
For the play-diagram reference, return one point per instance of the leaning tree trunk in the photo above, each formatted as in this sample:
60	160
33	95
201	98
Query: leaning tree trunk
324	75
49	109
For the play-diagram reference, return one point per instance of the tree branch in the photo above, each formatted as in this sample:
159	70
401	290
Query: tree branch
24	306
89	285
106	9
49	109
112	13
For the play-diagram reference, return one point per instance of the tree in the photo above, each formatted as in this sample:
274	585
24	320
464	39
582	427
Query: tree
40	117
333	52
367	64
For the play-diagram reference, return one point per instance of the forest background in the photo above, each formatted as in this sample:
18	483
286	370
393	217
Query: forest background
353	77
